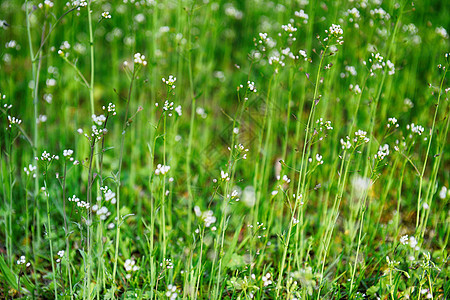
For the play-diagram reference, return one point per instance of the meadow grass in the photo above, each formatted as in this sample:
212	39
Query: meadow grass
224	149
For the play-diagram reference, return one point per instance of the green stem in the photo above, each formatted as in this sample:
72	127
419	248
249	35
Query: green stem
191	129
47	197
302	175
122	142
428	149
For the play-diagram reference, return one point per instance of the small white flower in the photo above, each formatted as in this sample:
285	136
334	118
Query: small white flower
139	59
412	242
224	176
336	30
266	279
106	15
319	159
443	192
301	14
67	153
178	110
161	169
170	82
21	260
404	240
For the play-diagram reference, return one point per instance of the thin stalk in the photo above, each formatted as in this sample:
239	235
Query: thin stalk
163	203
87	277
432	185
10	206
255	208
66	235
302	175
422	173
331	221
191	128
91	46
47	197
122	142
36	236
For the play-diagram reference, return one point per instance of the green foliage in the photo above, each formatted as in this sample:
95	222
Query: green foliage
224	149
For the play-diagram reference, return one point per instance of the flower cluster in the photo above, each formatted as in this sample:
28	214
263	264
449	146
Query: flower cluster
285	178
380	13
98	119
65	46
30	170
335	31
441	32
47	157
345	144
411	241
287	52
324	125
13	121
168	106
78	202
170	82
302	15
47	4
251	86
111	108
264	41
67	153
234	195
106	15
355	89
383	151
224	176
376	62
96	133
353	14
207	216
319	159
60	255
108	194
415	128
130	266
289	29
266	279
139	59
12	44
22	261
276	60
162	169
241	151
303	53
233	12
79	3
361	136
392	122
102	212
171	292
167	263
359	139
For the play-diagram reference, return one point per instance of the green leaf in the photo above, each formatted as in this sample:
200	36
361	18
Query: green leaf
372	290
7	274
12	278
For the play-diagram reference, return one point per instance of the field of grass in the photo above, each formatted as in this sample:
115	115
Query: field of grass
232	149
